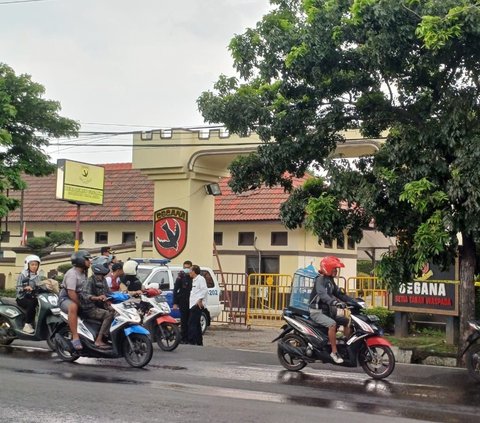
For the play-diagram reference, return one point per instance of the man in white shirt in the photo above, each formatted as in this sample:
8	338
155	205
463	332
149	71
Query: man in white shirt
198	297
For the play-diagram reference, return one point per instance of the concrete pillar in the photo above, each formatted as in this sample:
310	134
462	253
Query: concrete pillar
401	324
452	330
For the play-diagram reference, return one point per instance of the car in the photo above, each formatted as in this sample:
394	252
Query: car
158	271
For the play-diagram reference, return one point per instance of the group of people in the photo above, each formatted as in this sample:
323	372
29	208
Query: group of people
88	295
190	297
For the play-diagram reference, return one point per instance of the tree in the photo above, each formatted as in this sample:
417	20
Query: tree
44	245
311	69
27	123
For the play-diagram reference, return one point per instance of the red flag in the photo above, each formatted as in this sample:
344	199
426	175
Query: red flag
23	240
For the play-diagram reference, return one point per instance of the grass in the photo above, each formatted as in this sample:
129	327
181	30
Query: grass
425	342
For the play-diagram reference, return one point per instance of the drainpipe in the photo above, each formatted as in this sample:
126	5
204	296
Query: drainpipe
259	255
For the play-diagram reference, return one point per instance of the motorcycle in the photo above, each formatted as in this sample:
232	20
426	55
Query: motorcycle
127	338
472	351
303	341
155	313
47	319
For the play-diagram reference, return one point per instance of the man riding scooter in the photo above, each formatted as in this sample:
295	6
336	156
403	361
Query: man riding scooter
325	298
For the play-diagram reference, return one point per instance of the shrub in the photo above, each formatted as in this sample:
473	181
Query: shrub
8	293
386	316
365	267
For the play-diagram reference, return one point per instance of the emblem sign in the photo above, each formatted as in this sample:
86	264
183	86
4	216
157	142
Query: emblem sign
170	231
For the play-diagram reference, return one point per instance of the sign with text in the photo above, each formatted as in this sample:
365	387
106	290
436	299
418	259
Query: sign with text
80	183
432	296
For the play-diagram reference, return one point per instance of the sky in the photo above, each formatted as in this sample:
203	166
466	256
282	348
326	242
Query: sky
120	65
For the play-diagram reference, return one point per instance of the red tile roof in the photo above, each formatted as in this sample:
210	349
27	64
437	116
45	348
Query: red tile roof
128	196
259	204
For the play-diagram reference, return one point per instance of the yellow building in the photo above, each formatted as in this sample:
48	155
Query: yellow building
247	231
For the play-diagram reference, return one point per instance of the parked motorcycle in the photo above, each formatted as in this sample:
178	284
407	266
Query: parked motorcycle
303	341
472	350
47	319
127	338
155	313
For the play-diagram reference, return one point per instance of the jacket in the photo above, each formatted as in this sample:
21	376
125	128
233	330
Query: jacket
325	294
26	279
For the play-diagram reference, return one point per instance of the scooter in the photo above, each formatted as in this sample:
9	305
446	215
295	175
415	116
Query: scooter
303	341
155	313
472	350
128	339
47	319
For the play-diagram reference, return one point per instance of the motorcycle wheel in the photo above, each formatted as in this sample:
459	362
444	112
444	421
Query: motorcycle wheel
168	336
51	344
378	362
63	353
142	351
291	363
5	325
472	360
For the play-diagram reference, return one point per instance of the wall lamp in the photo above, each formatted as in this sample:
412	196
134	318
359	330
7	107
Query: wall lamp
213	189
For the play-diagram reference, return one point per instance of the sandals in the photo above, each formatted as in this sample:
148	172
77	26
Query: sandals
103	346
77	344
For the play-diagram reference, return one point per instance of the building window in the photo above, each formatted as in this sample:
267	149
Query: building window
80	236
128	237
263	264
30	234
279	238
101	237
327	243
350	243
218	238
150	237
246	238
341	243
5	236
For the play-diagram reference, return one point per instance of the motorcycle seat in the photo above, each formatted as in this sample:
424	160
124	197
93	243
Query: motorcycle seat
12	302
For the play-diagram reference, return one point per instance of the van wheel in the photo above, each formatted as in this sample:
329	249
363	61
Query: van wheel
204	323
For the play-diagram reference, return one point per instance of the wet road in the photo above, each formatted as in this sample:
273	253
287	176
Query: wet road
208	384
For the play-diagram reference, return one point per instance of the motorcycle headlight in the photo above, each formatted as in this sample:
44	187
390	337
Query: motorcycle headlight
53	300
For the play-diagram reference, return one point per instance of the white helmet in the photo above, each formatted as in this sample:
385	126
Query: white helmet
31	258
130	267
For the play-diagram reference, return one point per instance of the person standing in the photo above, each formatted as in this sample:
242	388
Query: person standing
198	298
27	281
181	298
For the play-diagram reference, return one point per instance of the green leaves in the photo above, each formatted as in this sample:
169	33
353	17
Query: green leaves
27	121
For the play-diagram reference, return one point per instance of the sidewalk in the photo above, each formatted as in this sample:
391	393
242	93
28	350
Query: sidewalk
259	338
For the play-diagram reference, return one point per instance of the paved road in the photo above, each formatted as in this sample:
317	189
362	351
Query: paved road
211	384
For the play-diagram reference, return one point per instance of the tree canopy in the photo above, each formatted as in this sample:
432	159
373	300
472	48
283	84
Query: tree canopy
312	69
27	123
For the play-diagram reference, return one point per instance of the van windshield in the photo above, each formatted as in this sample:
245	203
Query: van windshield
142	274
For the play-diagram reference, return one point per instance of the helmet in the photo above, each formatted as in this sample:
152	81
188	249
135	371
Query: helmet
329	264
100	265
130	267
78	258
31	258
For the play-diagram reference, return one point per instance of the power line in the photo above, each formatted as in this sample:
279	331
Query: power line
157	145
20	1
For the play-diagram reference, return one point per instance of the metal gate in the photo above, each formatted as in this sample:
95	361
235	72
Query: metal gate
233	297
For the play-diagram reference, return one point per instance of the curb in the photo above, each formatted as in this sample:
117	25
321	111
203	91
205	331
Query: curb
407	356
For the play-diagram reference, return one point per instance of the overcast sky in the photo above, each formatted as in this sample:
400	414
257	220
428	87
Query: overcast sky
140	63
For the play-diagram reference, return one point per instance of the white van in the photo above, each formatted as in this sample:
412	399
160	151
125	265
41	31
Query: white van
157	271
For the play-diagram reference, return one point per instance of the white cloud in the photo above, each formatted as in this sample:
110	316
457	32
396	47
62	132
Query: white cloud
123	61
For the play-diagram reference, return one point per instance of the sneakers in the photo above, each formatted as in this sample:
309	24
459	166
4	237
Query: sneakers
28	328
336	358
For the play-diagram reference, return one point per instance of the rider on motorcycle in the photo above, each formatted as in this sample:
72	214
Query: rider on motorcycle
93	299
27	281
325	298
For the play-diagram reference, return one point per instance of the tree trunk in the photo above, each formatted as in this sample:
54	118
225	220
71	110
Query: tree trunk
467	286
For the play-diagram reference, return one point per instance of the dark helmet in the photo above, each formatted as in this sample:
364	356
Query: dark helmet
79	257
100	265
